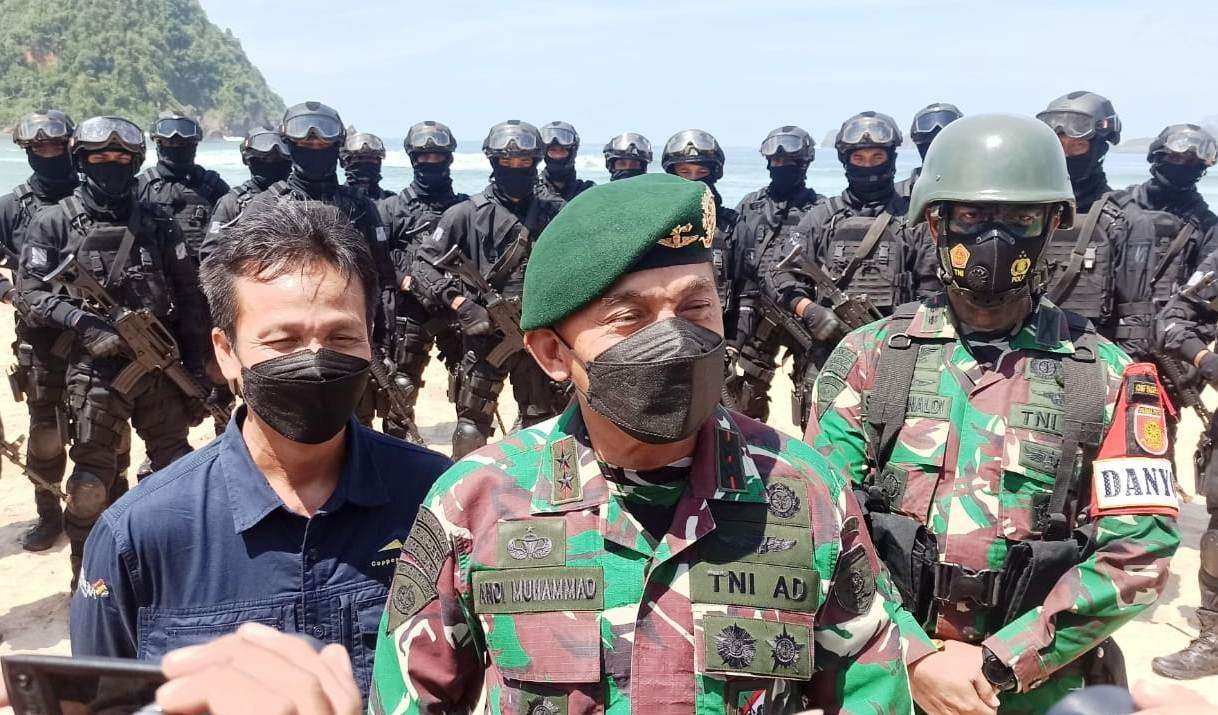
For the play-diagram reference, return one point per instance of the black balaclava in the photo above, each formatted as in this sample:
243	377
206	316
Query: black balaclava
561	171
54	177
108	186
924	147
265	172
871	184
620	174
786	181
517	184
315	168
1087	176
433	180
179	158
365	175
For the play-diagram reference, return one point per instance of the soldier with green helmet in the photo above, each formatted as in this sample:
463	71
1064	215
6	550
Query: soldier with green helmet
1013	464
647	550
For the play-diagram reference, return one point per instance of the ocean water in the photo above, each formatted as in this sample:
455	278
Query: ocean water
744	170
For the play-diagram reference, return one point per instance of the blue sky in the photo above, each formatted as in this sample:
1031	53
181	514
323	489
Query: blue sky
736	69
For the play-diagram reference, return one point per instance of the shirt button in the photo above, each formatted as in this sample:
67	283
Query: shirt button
319	631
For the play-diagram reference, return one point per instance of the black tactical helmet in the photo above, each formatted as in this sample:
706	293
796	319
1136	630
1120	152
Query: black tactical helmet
361	145
931	119
513	138
560	134
264	144
629	145
43	126
693	146
312	119
866	130
429	136
109	133
792	141
1184	139
169	125
1083	115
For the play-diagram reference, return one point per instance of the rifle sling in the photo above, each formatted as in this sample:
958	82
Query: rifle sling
1177	245
1066	280
865	247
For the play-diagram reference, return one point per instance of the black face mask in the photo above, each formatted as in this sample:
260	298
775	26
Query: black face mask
53	168
561	169
871	182
1181	177
661	384
305	396
178	155
316	164
269	172
709	180
434	179
110	182
993	268
626	174
786	180
517	184
364	172
923	148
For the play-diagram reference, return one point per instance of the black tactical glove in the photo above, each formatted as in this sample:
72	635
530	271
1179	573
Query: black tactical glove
1173	332
97	336
474	318
1209	368
822	323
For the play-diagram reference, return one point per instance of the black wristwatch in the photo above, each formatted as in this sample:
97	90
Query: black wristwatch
998	673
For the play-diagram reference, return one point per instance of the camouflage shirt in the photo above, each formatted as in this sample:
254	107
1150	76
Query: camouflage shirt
977	451
527	575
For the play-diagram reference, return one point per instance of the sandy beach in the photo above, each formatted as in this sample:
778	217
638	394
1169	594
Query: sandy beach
34	587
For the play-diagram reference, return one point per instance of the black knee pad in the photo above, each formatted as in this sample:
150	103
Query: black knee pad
468	436
45	443
88	497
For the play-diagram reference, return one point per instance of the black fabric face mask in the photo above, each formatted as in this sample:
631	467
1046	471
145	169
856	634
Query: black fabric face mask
993	268
517	184
110	181
316	164
433	179
871	182
562	169
305	396
709	180
661	384
626	174
786	180
55	169
183	155
1181	177
269	172
364	172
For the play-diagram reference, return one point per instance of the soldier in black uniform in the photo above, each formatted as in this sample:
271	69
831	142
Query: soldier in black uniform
767	217
627	155
410	218
269	160
1179	156
181	187
926	125
361	158
38	376
558	179
137	252
695	155
494	229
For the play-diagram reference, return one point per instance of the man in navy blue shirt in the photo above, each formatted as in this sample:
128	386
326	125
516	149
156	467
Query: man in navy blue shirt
292	518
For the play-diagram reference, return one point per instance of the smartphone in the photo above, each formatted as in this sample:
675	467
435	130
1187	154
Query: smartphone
58	685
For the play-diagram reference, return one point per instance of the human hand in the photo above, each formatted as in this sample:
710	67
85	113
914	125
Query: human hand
258	669
951	682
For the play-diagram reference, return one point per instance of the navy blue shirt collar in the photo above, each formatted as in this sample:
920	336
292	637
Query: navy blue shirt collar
251	497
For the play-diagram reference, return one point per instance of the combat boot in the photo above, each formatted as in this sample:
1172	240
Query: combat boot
42	535
1199	659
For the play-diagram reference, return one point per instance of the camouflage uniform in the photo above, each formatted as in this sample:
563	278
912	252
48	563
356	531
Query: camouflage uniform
767	580
974	461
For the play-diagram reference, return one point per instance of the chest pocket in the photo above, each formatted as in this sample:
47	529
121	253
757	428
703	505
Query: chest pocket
881	274
140	281
541	619
161	630
1170	253
1032	448
1090	292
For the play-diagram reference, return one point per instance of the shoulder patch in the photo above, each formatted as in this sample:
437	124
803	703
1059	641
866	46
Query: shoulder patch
840	361
418	568
1133	485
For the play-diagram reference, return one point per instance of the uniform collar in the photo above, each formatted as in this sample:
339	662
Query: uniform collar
1046	329
569	476
251	497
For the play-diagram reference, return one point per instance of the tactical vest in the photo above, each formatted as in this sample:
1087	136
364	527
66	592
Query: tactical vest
28	205
420	218
244	194
513	240
1167	256
125	258
1077	265
865	263
761	230
190	209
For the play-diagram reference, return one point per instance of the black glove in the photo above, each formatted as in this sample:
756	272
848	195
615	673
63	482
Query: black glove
1173	332
474	318
822	323
97	336
1209	368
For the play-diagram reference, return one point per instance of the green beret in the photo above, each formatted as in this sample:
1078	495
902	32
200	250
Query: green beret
610	230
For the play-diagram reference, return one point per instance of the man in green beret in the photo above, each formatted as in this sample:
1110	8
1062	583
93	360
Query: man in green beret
646	551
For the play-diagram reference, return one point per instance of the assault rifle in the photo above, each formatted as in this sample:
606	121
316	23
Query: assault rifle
12	452
853	311
1189	394
504	313
399	407
149	342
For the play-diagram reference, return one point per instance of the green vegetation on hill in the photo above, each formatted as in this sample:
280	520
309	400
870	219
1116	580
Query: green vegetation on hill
131	58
